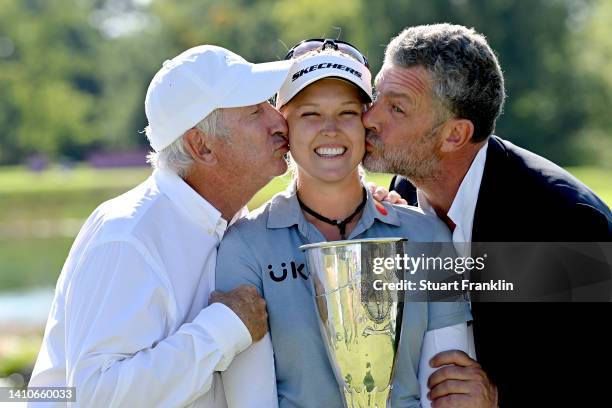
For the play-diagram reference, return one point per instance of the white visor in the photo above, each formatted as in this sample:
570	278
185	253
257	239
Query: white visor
310	69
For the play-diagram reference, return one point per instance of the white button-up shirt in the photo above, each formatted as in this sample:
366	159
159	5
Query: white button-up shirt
462	210
461	213
130	324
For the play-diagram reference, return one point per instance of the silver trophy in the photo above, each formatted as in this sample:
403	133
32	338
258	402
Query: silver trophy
360	326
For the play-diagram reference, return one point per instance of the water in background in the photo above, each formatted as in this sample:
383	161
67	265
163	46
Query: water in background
27	308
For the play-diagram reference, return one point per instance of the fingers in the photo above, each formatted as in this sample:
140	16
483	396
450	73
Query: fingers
215	296
260	305
453	401
248	305
460	383
453	372
380	193
248	290
456	357
449	387
394	198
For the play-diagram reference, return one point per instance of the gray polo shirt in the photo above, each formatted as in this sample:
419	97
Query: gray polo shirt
263	250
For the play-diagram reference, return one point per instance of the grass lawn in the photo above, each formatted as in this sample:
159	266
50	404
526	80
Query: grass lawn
599	180
16	179
31	263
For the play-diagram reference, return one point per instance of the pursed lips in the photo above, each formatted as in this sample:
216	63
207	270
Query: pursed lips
281	146
372	141
280	142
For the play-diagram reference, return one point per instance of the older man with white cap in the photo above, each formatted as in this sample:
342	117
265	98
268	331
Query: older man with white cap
131	324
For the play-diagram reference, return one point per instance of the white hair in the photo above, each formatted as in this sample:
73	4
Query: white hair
175	157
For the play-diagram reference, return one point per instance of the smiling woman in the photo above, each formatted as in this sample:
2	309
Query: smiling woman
323	99
327	137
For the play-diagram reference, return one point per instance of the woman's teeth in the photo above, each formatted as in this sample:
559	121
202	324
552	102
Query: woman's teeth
330	151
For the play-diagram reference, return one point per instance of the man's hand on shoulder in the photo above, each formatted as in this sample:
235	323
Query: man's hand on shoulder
460	383
248	306
382	194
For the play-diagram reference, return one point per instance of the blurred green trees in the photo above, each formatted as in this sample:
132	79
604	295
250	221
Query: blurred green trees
73	73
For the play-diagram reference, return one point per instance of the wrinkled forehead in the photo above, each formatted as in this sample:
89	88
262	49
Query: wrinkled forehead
238	114
414	81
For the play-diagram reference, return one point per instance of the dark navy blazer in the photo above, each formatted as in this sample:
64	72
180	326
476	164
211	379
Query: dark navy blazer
539	354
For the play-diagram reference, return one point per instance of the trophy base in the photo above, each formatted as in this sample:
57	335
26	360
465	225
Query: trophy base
366	399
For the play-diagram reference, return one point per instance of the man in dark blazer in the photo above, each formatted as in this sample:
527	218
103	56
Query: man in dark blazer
440	92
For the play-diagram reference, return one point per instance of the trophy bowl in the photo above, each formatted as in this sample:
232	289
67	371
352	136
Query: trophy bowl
360	326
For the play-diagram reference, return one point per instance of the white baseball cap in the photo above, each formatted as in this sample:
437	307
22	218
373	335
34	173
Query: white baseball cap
193	84
318	66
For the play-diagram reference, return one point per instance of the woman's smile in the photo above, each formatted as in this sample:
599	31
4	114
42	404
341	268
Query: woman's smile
330	151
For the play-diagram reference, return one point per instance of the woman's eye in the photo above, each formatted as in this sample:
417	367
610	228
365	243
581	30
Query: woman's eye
350	112
256	111
309	114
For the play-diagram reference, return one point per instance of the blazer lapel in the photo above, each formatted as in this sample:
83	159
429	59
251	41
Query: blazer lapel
490	207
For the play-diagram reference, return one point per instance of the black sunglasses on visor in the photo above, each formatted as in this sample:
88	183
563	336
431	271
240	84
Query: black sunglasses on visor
321	43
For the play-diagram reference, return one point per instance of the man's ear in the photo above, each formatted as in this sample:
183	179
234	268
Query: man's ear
199	147
458	133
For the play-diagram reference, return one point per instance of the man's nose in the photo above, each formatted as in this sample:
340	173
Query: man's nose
369	118
278	124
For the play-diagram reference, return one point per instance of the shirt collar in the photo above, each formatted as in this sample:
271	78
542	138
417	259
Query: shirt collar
464	204
190	203
424	204
463	207
285	211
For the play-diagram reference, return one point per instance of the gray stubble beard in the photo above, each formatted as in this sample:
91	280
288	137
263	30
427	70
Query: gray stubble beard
393	161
